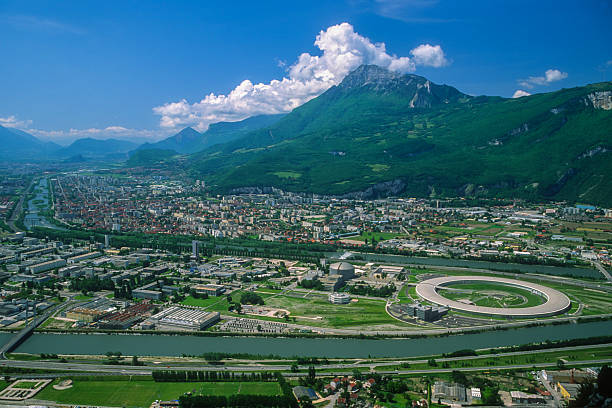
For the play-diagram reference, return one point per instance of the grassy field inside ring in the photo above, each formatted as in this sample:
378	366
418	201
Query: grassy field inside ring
492	295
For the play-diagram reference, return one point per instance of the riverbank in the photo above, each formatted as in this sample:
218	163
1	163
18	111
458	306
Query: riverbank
176	345
342	333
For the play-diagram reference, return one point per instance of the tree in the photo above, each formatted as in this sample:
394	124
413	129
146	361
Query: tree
459	377
251	298
604	381
312	374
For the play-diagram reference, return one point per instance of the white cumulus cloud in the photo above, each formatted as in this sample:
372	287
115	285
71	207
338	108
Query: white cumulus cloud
68	136
108	132
342	50
429	56
519	92
551	75
12	122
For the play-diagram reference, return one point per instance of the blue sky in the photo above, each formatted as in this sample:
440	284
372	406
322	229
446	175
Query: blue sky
142	69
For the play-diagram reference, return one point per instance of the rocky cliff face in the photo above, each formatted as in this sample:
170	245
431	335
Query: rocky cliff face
599	100
419	91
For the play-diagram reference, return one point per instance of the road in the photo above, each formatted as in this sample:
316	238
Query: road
18	209
603	270
258	366
20	336
550	389
105	369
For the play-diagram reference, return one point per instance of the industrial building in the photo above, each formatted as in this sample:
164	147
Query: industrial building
183	319
344	269
448	391
153	291
83	257
46	266
339	273
425	313
91	311
210	289
127	317
339	298
146	294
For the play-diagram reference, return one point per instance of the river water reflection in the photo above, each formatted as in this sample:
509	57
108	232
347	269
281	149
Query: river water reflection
323	347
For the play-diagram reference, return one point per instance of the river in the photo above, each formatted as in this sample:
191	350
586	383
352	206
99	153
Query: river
40	202
156	345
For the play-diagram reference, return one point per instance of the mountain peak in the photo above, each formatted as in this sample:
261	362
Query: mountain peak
372	76
418	91
187	135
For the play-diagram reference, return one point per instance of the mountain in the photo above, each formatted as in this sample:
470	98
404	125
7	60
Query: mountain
189	140
16	144
382	133
95	148
149	157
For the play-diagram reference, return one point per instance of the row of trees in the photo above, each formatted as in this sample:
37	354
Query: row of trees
93	284
367	290
211	376
311	284
237	401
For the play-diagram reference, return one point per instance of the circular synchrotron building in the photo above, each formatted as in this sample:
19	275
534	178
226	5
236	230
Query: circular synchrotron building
555	301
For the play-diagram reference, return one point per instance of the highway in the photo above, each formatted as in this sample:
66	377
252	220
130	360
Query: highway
100	369
82	366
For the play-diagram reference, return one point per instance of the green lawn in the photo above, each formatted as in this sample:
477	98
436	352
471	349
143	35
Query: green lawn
364	313
191	301
141	393
27	384
492	295
83	297
287	174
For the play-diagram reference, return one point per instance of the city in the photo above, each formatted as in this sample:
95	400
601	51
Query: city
348	204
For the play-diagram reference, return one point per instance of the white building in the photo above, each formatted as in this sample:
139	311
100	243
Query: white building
339	298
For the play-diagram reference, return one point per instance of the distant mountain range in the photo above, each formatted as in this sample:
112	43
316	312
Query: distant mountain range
95	148
189	140
16	144
19	145
381	133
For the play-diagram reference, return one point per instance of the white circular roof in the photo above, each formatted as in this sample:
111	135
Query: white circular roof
556	302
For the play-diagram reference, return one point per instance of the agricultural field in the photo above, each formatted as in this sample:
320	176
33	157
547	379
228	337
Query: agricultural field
141	393
597	231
